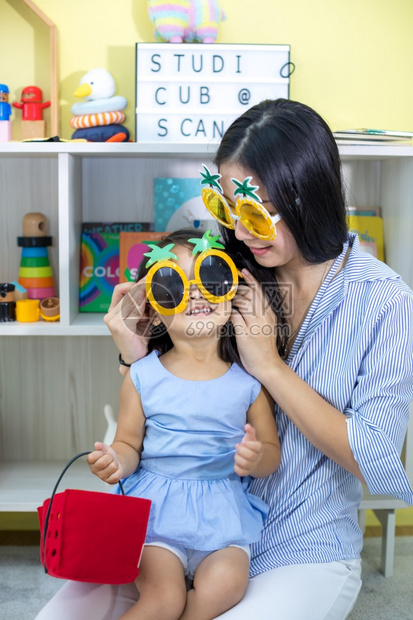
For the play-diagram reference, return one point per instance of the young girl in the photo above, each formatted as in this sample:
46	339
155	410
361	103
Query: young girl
192	427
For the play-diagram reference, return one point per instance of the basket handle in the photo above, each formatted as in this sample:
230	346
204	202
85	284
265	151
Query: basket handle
46	521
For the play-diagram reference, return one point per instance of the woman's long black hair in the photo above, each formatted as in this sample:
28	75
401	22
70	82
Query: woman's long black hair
159	338
291	150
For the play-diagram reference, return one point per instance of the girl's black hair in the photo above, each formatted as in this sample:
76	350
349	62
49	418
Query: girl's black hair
159	338
291	150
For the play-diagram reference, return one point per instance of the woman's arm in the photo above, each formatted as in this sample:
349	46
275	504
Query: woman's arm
121	458
128	322
323	425
259	453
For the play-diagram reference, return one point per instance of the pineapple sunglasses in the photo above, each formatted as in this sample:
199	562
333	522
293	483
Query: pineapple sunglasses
167	285
249	208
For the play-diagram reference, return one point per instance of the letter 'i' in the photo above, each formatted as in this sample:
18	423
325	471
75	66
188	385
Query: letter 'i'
35	272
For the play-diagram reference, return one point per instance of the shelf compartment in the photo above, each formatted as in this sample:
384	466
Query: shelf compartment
25	485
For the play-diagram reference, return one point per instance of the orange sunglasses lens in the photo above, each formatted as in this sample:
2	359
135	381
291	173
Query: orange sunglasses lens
256	221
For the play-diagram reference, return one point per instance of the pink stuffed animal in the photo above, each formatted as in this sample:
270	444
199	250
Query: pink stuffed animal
190	20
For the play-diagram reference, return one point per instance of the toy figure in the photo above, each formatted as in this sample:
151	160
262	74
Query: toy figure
7	303
189	20
31	104
99	117
5	111
19	291
5	107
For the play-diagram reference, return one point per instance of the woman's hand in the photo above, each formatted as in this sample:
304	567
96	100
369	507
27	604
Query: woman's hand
104	463
255	325
128	321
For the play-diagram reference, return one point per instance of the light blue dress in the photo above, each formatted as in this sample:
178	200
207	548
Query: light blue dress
187	464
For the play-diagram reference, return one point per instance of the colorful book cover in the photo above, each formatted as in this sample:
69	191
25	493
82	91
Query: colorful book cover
99	270
99	263
132	247
178	204
370	231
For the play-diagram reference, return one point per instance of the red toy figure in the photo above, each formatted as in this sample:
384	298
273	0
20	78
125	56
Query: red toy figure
31	103
33	125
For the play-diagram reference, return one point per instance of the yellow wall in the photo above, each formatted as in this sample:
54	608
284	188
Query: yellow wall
18	521
404	518
353	57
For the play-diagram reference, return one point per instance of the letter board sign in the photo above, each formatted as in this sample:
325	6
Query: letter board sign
190	93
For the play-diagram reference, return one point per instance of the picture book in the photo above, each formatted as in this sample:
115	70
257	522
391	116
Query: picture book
99	270
370	232
115	227
132	247
99	262
373	137
369	210
178	204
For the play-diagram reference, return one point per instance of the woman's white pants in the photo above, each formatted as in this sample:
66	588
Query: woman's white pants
296	592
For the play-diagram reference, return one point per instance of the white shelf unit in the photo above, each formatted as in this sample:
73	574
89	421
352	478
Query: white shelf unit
56	377
71	185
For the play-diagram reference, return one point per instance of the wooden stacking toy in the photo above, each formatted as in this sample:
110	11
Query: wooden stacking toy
36	273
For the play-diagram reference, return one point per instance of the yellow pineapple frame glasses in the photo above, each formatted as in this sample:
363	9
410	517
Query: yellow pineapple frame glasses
186	284
249	208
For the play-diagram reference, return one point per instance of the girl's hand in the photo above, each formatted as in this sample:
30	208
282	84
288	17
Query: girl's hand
127	320
248	453
255	325
104	463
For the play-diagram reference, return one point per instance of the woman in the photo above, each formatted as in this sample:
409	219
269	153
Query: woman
326	329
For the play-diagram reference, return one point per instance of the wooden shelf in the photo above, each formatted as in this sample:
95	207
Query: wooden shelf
103	149
130	149
84	324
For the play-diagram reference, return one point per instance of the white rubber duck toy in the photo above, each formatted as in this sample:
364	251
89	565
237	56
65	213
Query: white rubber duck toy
97	88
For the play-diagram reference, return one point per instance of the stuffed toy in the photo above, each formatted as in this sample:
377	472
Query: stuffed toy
99	117
187	20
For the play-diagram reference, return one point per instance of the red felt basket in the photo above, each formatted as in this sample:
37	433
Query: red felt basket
91	536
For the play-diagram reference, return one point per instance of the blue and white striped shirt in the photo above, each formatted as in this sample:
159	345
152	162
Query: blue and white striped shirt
355	348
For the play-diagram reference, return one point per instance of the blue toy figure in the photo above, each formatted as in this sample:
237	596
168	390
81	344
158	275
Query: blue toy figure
5	112
5	107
